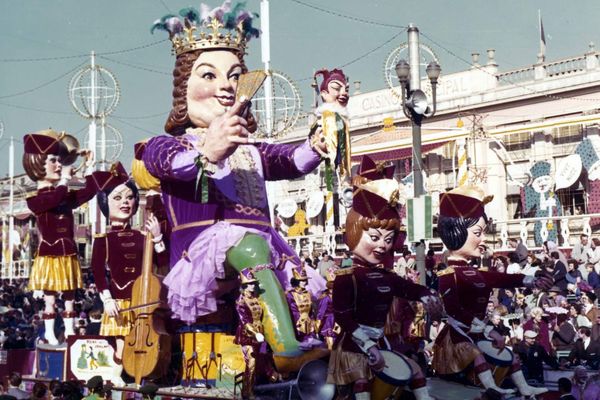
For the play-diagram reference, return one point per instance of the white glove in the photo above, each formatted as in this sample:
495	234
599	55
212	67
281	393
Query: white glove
110	305
259	337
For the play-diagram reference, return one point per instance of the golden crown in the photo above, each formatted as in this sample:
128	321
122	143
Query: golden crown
226	27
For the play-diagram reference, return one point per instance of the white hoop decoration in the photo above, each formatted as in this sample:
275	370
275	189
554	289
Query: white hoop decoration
568	171
314	205
287	208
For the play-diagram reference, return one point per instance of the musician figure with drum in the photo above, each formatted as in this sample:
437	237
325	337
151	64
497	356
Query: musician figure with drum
363	294
468	347
117	258
250	334
47	160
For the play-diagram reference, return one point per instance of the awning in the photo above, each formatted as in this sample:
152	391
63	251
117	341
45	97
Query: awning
398	154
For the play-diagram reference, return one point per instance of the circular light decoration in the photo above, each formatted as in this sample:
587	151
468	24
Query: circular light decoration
94	79
108	138
427	55
279	95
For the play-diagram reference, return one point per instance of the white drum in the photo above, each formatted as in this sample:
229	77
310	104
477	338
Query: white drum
502	358
397	371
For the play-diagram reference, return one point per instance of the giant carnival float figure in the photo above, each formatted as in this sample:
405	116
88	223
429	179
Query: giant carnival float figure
467	347
363	294
118	257
212	176
47	160
332	118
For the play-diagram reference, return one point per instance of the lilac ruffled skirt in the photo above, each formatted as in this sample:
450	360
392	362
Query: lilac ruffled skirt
192	281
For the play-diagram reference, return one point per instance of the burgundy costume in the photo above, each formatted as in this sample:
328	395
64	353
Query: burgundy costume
117	258
466	292
375	289
53	209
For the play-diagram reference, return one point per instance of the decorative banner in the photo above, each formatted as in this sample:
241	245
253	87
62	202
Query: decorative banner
517	175
588	150
287	208
419	217
93	355
462	174
314	205
539	198
568	171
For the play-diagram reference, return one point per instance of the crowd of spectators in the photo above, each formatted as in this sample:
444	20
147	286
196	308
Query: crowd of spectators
559	327
21	311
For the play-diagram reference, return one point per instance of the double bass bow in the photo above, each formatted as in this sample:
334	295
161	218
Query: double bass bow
147	349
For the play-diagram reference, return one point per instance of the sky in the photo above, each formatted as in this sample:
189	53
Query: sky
43	43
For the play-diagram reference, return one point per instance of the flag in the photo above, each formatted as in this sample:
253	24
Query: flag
542	36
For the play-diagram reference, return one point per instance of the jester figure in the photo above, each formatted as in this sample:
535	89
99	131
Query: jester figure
332	117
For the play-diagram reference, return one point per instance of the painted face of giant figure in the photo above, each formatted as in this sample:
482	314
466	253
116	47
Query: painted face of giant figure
121	204
337	92
374	245
53	168
475	244
211	86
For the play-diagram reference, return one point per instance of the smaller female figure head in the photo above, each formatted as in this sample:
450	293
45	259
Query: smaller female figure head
120	203
462	221
43	155
373	223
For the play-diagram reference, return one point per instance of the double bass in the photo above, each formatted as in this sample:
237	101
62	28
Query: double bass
147	349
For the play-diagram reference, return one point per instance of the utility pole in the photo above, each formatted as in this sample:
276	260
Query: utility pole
415	107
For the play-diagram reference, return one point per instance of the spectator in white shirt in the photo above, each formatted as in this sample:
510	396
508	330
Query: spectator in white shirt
513	266
581	252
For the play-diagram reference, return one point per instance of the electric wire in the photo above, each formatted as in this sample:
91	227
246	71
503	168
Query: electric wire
2	103
60	58
43	84
130	65
134	126
349	17
362	56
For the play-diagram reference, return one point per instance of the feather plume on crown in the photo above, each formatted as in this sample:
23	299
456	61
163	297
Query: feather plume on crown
226	27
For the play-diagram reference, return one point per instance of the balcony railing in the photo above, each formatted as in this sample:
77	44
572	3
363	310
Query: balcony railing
15	269
570	227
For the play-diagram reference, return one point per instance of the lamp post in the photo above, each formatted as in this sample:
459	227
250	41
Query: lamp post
415	106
